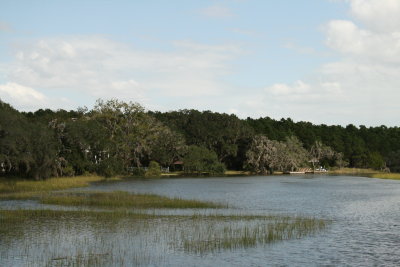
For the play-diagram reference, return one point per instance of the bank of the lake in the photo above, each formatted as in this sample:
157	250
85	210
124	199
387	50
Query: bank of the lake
14	188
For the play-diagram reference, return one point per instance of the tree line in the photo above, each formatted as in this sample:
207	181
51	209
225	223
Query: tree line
117	137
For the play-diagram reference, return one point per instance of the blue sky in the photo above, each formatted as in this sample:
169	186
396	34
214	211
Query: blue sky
324	61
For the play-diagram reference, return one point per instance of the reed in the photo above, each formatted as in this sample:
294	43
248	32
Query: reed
121	199
123	238
353	171
392	176
23	189
232	236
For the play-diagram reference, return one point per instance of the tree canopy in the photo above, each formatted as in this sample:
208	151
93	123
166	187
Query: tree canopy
116	136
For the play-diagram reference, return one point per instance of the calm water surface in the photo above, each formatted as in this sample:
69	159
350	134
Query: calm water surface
365	214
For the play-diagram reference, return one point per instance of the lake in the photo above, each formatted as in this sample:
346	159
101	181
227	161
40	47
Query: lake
364	228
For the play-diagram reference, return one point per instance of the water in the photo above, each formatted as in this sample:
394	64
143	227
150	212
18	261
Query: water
365	229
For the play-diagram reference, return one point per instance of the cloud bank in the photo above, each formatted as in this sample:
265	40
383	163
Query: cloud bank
97	67
362	87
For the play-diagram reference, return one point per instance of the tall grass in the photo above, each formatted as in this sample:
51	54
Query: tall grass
352	171
120	238
366	172
392	176
244	233
20	189
121	199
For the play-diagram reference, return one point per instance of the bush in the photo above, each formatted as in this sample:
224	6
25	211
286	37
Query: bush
153	170
138	171
200	159
218	168
109	167
68	171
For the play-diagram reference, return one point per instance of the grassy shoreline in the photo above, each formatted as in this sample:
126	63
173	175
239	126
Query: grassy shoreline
25	189
390	176
369	173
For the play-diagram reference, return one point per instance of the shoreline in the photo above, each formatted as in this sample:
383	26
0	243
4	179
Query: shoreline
25	189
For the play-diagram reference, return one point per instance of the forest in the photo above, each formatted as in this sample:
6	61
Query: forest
117	137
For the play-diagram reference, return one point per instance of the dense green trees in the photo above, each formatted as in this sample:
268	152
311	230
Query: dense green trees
27	148
200	160
354	147
224	134
116	136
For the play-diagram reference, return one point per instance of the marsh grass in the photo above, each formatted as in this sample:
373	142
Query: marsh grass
353	171
122	238
392	176
121	199
246	232
236	173
21	214
366	172
22	189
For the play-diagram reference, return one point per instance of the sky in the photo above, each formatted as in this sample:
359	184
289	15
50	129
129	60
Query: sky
323	61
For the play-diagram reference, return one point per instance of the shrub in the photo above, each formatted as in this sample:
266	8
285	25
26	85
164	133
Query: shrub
109	167
68	171
200	159
153	170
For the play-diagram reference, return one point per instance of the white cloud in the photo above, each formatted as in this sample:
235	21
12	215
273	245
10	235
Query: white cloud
370	63
314	102
377	15
26	98
217	11
98	67
362	87
347	38
299	88
22	93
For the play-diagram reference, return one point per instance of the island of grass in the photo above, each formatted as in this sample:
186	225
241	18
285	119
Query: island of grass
25	189
121	199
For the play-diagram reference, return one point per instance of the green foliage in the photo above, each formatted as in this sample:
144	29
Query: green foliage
375	161
68	171
323	155
153	170
137	171
354	144
200	159
124	199
27	148
115	136
294	155
393	161
224	134
168	147
110	167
